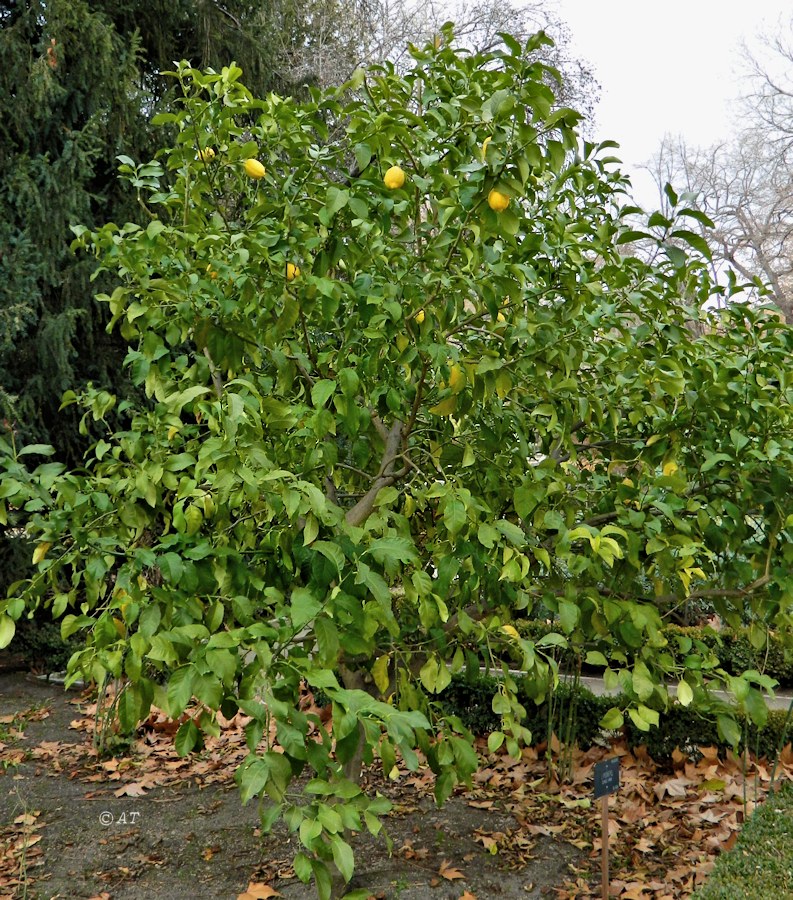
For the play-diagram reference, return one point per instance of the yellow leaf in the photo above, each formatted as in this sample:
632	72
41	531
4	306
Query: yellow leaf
456	378
40	552
380	673
670	468
445	407
511	631
684	693
172	431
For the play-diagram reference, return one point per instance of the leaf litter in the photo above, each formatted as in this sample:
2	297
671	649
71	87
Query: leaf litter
667	824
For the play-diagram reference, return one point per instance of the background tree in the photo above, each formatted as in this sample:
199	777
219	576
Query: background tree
745	184
385	416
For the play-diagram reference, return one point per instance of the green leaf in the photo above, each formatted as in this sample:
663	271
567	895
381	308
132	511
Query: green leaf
511	532
729	730
613	720
494	740
303	606
454	516
187	737
7	629
643	683
596	658
568	615
180	690
388	551
302	866
321	392
342	857
335	200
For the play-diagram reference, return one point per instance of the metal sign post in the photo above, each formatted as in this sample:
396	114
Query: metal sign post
607	781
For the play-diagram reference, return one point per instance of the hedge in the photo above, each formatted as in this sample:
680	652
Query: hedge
760	865
470	698
732	647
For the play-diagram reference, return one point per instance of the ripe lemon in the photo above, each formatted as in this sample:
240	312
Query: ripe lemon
292	271
254	168
420	316
206	155
394	178
497	201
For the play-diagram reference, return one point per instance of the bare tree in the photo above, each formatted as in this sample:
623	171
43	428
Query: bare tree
745	184
345	34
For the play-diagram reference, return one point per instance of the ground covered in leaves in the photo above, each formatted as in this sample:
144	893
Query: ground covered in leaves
149	824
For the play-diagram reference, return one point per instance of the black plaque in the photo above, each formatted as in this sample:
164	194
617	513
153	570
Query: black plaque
607	777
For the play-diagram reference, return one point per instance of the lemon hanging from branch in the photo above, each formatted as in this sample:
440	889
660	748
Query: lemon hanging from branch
254	169
497	201
394	178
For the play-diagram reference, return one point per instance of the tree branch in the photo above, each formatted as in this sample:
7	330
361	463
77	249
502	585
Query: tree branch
359	513
217	381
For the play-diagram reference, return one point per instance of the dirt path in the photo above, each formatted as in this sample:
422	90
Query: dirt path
64	832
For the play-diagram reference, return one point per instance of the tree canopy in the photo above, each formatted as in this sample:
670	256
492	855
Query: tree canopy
402	386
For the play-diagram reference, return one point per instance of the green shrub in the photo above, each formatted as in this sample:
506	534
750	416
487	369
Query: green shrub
732	647
470	698
39	642
760	865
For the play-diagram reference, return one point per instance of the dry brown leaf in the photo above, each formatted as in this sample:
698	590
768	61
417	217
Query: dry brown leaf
448	872
133	789
258	891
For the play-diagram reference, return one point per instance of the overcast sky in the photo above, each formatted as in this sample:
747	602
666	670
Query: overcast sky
670	67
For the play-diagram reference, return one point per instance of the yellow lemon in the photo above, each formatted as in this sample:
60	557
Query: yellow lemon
206	155
292	271
254	168
394	178
497	201
420	316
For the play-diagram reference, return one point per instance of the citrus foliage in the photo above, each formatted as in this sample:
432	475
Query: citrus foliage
384	422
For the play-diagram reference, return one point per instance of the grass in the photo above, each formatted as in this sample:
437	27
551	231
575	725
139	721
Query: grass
760	865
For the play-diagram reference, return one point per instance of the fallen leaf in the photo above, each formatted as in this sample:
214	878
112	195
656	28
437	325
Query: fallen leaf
448	872
258	891
134	789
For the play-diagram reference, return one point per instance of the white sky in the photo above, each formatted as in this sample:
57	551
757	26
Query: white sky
670	67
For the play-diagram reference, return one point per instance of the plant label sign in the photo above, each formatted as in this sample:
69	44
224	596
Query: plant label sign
607	777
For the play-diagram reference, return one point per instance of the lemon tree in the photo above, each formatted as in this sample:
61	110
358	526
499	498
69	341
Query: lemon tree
389	416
